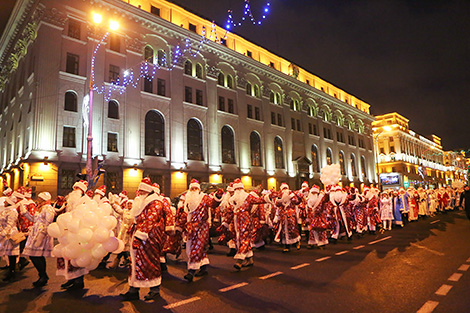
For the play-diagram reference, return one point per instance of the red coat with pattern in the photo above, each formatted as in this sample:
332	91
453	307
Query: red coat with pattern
24	225
287	231
372	211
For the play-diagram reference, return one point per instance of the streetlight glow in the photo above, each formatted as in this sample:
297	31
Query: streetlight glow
97	18
113	25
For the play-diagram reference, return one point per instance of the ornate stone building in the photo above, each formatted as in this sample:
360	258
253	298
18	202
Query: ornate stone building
175	98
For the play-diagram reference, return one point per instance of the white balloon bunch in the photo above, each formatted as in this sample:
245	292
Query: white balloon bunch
330	175
85	234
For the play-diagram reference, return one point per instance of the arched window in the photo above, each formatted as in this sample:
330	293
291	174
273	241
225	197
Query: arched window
278	153
248	89
341	163
229	81
113	109
161	57
353	165
256	91
363	166
70	101
188	67
277	98
272	97
221	79
194	140
228	145
199	71
154	134
255	148
329	156
315	159
148	54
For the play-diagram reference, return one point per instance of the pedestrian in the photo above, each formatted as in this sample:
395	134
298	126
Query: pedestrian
286	218
24	225
316	219
10	237
386	211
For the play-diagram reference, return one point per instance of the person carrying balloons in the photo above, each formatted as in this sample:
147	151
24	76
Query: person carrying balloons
39	244
152	219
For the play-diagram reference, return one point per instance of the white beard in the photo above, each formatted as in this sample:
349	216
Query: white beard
136	207
97	198
224	201
238	198
193	199
337	197
73	199
285	197
314	200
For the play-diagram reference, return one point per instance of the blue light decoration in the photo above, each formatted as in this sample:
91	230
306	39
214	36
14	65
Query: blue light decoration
247	14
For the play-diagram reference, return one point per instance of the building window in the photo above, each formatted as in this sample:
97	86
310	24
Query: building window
194	143
392	149
249	110
299	128
257	114
72	63
273	118
192	27
113	73
279	119
228	145
154	134
113	182
292	123
67	179
161	58
315	159
199	71
248	89
113	109
272	97
188	67
255	148
363	166
327	133
278	153
310	130
148	54
161	87
223	41
341	163
188	94
154	10
221	103
249	53
148	85
221	79
382	150
329	156
339	136
68	139
115	43
199	97
70	101
229	81
112	142
231	107
353	165
256	91
74	29
271	64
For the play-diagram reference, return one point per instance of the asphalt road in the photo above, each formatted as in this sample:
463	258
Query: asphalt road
422	267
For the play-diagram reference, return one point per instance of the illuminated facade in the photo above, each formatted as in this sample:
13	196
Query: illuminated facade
406	158
220	110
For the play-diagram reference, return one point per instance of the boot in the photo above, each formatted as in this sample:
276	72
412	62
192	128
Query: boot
238	265
153	294
163	267
42	281
189	276
67	284
248	262
202	272
130	295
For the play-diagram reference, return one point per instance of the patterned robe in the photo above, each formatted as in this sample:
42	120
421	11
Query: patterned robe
147	242
197	232
8	228
339	220
260	228
227	229
173	242
413	216
24	224
287	230
317	222
41	220
372	213
399	205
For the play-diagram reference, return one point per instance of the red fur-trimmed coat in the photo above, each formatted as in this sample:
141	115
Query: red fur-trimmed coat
286	219
148	233
24	224
372	211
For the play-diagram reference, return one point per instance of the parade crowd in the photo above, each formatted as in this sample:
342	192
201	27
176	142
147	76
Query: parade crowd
88	229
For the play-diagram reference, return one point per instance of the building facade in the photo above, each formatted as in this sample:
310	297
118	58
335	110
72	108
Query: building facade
172	100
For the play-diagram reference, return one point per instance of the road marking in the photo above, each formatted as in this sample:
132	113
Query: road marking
342	252
455	277
359	247
299	266
322	259
443	290
270	275
233	287
374	242
176	304
464	267
428	307
435	221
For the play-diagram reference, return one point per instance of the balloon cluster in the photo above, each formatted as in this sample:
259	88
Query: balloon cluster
85	235
330	175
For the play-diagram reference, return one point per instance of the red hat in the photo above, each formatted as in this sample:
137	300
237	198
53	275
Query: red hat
101	190
156	188
284	186
29	193
19	193
89	193
194	183
8	191
123	194
145	185
237	183
305	184
82	185
315	188
230	187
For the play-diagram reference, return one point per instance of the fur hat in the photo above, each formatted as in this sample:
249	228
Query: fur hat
123	194
101	190
19	193
145	185
7	192
156	188
45	196
237	183
29	193
230	187
305	184
11	200
194	183
82	185
315	188
284	186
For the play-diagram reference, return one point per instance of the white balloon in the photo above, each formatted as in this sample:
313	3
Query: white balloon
64	219
98	252
72	250
105	209
54	231
89	220
89	245
84	235
74	225
111	244
109	222
84	259
64	240
120	248
74	262
101	234
93	264
57	251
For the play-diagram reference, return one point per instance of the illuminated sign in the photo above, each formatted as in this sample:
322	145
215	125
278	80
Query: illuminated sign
390	179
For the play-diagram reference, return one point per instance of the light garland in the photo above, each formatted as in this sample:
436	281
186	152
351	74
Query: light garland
246	14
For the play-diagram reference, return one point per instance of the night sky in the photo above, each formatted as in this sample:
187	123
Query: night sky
412	57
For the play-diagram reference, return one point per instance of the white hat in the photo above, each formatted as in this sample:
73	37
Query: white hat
101	190
145	185
315	188
194	183
7	191
237	183
82	184
11	200
45	196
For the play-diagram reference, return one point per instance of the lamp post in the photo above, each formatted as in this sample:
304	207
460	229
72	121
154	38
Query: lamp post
113	25
384	128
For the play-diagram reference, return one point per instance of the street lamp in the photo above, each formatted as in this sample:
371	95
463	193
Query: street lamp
113	25
384	129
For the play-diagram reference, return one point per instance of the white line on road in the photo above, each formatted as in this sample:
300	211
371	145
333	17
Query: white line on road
322	259
435	221
300	266
428	307
270	275
359	247
455	277
176	304
374	242
464	267
233	287
443	290
342	252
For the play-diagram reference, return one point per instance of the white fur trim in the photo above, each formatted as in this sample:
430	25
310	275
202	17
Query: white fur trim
238	185
80	185
145	187
141	235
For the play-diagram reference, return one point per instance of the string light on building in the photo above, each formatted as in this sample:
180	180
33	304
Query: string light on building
247	14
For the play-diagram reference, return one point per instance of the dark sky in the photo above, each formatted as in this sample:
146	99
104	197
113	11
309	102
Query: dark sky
412	57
